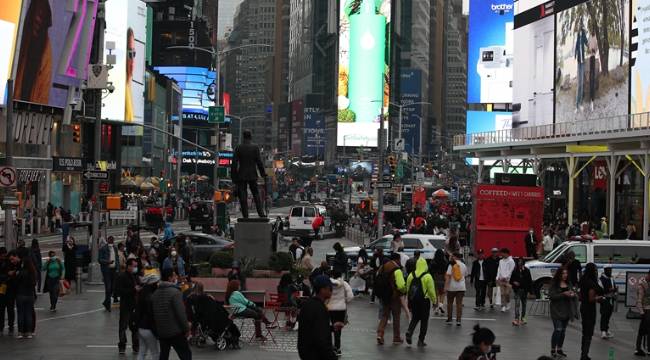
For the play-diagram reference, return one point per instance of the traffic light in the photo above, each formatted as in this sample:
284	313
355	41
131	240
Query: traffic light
76	133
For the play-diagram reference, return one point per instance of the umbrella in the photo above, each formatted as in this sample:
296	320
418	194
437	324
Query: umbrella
441	193
139	179
128	182
146	186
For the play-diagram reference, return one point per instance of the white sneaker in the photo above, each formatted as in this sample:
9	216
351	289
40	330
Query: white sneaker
610	335
603	334
503	308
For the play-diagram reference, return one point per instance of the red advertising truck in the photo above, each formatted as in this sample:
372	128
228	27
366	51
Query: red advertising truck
502	216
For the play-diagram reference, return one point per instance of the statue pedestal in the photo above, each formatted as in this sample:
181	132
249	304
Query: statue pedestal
253	239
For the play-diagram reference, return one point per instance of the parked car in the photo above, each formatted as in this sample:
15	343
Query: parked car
622	255
204	245
200	214
425	243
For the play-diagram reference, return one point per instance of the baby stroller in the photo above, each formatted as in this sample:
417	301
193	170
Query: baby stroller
211	320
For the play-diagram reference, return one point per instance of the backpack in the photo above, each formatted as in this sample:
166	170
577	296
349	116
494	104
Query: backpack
456	273
383	287
415	291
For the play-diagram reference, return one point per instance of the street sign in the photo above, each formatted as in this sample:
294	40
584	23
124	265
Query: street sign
382	185
216	115
96	175
398	145
123	215
7	176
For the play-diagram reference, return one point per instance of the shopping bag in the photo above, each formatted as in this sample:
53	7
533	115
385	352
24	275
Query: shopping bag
497	296
357	283
64	287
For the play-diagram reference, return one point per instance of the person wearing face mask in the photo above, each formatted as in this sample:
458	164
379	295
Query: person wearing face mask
175	262
53	274
126	286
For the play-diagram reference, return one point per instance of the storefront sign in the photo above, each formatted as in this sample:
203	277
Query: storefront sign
67	164
31	175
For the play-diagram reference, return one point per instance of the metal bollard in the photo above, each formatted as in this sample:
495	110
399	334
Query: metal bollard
78	281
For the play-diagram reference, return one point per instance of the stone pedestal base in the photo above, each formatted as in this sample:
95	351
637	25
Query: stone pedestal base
253	239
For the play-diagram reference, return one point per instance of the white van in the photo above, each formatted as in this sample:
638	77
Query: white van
301	219
622	255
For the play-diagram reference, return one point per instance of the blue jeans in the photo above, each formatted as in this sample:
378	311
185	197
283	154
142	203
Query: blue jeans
581	84
25	307
559	331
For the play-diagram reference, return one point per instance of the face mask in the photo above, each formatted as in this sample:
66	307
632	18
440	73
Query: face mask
135	270
53	257
173	253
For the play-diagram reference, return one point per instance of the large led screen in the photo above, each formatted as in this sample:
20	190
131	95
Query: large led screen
482	124
592	62
9	19
126	22
534	63
490	51
410	95
54	50
197	84
640	96
363	91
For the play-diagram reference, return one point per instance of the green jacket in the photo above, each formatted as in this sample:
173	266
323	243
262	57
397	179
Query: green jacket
54	269
239	302
428	285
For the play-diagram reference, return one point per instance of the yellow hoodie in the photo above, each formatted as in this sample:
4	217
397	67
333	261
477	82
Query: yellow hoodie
428	285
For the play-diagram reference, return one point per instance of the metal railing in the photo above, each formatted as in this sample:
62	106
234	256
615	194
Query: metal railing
608	125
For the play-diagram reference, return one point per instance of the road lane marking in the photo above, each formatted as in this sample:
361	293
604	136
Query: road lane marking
71	315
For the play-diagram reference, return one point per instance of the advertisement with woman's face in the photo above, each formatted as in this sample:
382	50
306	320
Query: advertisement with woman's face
9	18
54	50
592	62
128	33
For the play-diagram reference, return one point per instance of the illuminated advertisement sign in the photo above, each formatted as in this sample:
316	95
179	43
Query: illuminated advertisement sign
490	51
314	133
533	68
54	49
363	90
640	96
486	122
411	92
592	61
197	84
9	19
126	22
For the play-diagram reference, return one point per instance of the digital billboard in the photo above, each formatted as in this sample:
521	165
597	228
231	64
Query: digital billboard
490	51
592	61
410	87
533	69
640	96
9	20
126	22
314	133
486	122
363	91
197	84
54	49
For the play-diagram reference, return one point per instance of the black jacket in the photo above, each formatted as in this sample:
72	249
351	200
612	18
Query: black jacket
523	278
314	331
246	162
25	281
476	271
125	289
340	262
144	308
491	266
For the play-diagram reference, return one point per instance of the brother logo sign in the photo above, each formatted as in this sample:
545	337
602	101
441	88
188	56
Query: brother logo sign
502	8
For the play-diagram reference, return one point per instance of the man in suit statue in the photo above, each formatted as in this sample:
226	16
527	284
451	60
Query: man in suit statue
245	164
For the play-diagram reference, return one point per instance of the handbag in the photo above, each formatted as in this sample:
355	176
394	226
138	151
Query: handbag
3	289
